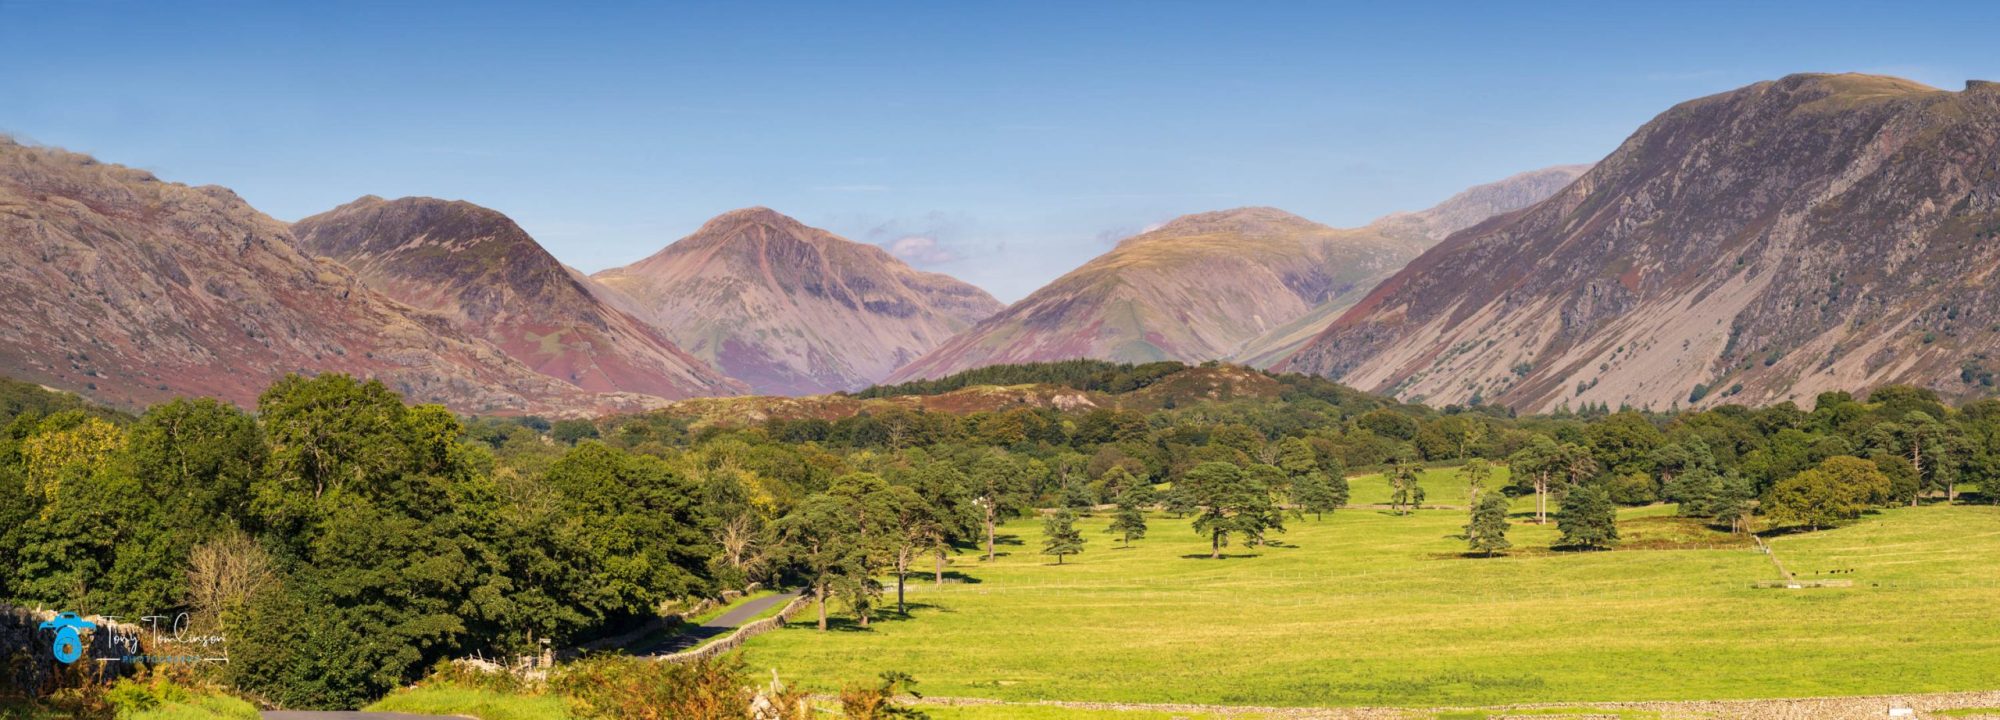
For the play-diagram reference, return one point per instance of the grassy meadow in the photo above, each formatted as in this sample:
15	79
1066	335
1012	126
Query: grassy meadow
1369	608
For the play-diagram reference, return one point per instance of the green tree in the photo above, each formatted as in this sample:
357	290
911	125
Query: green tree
1406	492
998	488
1838	490
1129	522
1539	465
1588	518
571	432
1227	503
1060	536
1475	473
1487	533
1318	494
817	540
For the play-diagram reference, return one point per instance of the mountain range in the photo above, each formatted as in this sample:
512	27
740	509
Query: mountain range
1813	233
1249	285
476	267
131	290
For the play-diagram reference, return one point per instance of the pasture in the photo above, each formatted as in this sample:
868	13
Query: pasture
1369	608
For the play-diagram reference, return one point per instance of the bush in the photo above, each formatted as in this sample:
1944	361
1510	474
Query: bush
623	688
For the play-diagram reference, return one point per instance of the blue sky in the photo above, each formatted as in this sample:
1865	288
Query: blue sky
1013	141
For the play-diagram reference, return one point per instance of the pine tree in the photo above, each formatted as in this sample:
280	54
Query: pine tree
1061	536
1487	533
1129	521
1588	519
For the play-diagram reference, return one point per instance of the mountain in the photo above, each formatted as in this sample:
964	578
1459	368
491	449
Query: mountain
130	290
1247	284
791	309
1813	233
1421	229
476	267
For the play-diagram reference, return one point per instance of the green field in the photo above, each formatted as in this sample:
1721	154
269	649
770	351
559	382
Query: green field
1367	608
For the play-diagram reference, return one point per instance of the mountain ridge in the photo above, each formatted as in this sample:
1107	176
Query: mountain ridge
1225	284
1816	232
478	266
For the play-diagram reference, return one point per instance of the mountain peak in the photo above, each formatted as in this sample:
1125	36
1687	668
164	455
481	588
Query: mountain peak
1256	220
791	308
753	215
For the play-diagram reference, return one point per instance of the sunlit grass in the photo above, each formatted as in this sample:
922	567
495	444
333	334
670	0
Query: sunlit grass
1368	608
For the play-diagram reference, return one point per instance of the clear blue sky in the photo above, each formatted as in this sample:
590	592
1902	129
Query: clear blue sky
1019	138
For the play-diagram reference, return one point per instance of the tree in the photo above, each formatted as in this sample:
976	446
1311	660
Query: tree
997	488
1539	464
1588	519
817	539
571	432
1318	494
1405	491
1227	504
1475	473
1487	533
1838	490
1130	520
1060	536
1735	503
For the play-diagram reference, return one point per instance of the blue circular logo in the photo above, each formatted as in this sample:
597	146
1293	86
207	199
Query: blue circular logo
69	646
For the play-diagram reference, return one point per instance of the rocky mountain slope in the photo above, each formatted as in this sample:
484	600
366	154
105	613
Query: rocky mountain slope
1249	284
481	270
1421	229
791	309
130	290
1812	233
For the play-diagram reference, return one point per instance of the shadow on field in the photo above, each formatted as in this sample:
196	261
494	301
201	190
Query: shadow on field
887	614
954	576
1225	556
1013	540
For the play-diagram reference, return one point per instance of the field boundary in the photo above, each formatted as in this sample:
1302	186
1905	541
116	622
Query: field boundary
1808	708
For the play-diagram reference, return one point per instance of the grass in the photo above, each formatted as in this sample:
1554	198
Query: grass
1051	712
485	704
204	707
1367	608
162	699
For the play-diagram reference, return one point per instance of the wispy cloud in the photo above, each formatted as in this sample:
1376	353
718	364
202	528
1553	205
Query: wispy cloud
852	188
920	250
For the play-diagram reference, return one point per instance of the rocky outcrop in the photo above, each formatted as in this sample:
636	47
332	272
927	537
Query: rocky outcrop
1812	233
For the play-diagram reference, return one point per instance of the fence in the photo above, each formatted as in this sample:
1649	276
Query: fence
737	638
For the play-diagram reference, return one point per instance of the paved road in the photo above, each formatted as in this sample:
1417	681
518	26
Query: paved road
721	625
296	715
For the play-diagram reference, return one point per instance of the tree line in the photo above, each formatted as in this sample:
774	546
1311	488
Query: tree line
348	540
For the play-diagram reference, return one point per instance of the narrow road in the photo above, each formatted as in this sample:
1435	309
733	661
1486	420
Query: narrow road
721	625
